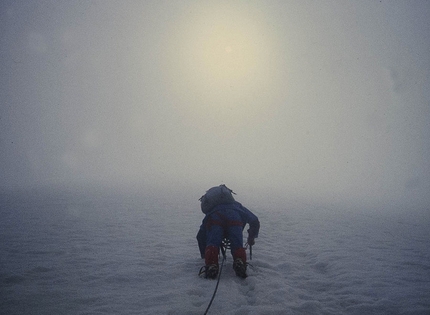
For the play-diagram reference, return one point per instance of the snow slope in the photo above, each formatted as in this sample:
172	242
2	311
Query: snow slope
93	253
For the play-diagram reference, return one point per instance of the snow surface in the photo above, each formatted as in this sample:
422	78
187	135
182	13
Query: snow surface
93	253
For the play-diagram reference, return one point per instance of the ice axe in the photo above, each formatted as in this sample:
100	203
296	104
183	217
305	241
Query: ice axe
250	250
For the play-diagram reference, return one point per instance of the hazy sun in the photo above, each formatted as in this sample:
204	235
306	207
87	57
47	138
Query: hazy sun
219	57
225	52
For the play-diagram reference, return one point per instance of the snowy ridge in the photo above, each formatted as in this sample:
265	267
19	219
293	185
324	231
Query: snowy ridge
69	254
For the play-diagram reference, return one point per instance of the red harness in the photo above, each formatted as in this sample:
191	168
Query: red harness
224	222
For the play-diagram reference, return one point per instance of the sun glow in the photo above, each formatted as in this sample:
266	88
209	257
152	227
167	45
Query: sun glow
226	53
222	55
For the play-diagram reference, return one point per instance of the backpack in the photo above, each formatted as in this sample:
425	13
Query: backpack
215	196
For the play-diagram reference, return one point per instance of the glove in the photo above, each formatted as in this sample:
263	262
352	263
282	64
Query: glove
251	241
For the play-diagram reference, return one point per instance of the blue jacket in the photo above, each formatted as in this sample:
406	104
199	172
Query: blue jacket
247	217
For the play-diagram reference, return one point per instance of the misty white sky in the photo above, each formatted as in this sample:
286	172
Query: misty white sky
328	100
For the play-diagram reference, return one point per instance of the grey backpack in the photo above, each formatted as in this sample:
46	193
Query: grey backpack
215	196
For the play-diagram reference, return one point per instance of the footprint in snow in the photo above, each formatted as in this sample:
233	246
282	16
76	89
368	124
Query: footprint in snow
247	288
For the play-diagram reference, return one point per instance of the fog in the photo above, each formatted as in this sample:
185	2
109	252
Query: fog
318	100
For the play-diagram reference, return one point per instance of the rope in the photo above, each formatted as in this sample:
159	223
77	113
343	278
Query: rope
224	246
219	277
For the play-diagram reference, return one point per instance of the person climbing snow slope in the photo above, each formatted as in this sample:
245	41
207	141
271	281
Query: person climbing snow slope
224	218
